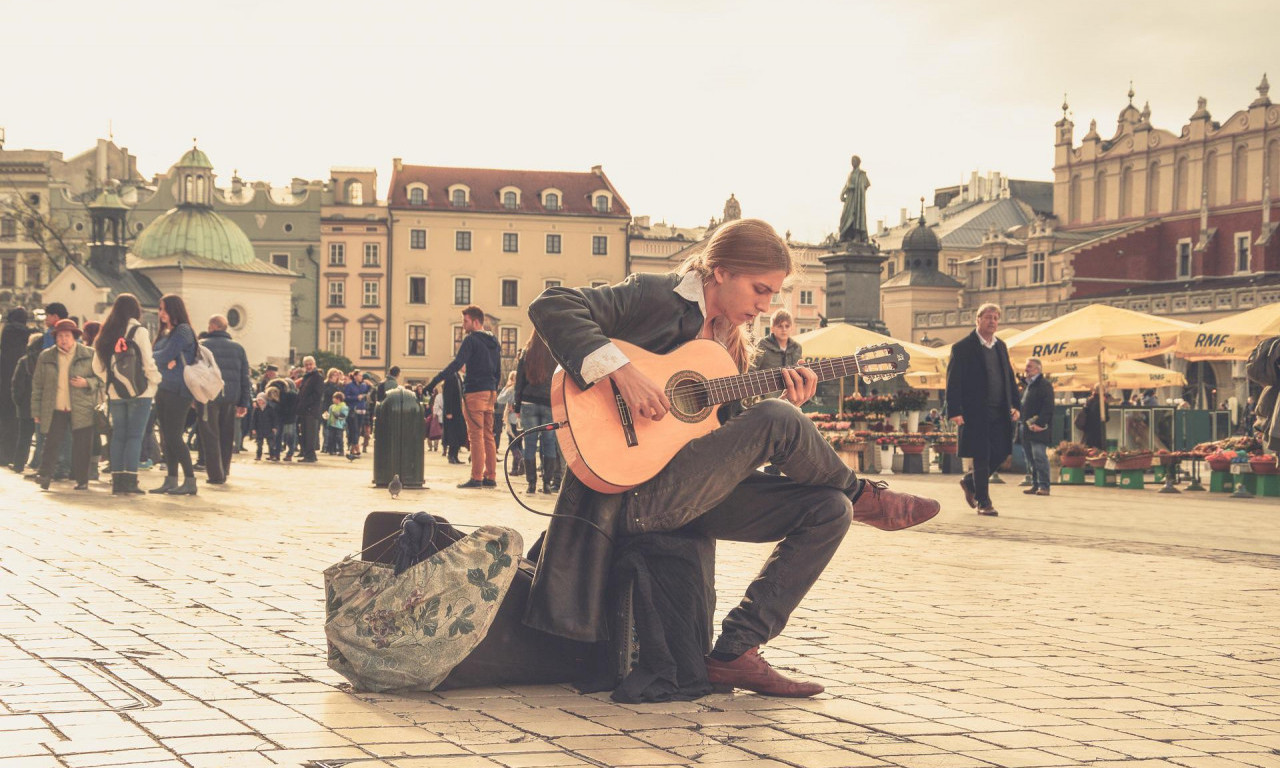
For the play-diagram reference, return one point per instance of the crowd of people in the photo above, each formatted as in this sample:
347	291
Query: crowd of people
110	392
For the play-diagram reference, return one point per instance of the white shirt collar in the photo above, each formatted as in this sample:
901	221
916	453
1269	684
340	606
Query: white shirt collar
690	287
984	342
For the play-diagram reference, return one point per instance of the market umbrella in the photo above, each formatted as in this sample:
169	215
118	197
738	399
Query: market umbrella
1126	374
1098	333
839	339
1232	337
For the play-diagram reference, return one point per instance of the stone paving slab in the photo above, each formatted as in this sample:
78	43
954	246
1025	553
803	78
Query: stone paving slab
1093	627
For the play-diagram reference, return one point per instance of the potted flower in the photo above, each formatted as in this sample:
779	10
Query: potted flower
945	442
1263	464
910	443
1220	460
1072	455
1127	460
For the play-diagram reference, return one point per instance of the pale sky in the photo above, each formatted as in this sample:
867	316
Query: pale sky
681	101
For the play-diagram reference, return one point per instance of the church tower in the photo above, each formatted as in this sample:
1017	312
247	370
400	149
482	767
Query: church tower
108	217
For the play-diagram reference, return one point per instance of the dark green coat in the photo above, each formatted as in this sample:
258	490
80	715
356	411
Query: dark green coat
44	387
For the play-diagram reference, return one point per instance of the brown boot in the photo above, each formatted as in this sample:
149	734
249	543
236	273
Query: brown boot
752	673
888	510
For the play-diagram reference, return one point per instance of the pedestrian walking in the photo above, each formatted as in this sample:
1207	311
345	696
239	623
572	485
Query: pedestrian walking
311	406
1036	426
20	391
982	399
454	437
173	351
356	394
335	424
64	391
13	347
218	423
264	421
123	361
532	401
481	355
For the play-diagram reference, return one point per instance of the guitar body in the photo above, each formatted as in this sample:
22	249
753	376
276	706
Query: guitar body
595	440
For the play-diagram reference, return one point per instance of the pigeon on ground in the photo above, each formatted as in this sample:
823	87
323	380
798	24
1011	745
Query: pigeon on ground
395	486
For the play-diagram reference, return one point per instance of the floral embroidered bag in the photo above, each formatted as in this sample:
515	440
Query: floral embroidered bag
407	632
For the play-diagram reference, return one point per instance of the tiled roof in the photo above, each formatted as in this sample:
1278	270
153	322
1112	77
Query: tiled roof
1003	215
254	266
485	184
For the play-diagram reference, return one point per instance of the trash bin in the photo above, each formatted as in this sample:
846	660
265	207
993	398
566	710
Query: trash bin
398	440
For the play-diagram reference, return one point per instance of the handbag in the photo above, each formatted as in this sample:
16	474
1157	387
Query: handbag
101	418
407	631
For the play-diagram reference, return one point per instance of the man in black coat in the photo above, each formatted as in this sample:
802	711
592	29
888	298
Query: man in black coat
1037	416
13	345
982	399
218	422
310	406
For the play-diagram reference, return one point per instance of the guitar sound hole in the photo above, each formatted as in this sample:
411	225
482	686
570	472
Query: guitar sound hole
688	396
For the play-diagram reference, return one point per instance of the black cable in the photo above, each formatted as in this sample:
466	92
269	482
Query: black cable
506	473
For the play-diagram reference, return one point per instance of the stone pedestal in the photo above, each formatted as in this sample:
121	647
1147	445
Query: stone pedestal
853	285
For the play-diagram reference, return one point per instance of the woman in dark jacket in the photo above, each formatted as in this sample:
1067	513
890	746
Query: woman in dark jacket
533	402
174	350
455	425
20	389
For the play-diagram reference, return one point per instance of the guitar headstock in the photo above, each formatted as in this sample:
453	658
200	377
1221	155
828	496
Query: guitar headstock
880	362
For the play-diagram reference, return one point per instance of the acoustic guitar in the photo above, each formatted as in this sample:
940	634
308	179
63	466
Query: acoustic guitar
611	452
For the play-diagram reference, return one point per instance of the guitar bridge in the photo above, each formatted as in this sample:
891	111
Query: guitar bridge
624	415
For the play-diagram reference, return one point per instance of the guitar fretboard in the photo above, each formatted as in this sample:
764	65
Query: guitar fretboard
755	383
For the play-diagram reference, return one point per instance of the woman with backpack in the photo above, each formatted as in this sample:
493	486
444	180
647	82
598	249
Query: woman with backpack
123	359
174	350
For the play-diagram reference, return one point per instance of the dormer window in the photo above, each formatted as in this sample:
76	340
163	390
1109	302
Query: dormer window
509	201
602	203
551	199
355	193
458	198
416	197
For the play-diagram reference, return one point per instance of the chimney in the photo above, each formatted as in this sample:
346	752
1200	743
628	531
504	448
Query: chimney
902	216
397	164
597	170
642	222
879	226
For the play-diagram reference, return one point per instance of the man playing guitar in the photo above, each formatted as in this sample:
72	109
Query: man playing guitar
712	484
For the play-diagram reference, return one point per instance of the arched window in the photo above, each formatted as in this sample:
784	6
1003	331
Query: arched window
459	198
602	203
1153	187
1181	201
1073	200
417	196
200	197
189	188
509	200
1126	191
1240	175
355	193
1100	196
552	201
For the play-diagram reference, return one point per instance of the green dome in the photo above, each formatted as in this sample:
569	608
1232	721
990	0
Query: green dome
194	231
107	200
194	159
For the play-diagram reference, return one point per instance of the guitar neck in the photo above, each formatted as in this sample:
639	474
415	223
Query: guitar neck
755	383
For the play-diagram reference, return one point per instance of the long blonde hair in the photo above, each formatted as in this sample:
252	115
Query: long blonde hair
743	247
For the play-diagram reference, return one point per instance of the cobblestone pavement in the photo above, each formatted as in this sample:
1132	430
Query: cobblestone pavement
1093	627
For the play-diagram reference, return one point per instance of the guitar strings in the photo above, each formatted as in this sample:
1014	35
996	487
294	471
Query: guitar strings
751	381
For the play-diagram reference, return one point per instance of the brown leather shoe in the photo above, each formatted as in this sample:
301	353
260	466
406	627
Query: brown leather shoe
989	512
970	493
1042	492
888	510
752	673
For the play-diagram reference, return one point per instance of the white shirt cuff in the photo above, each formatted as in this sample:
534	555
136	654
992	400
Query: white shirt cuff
602	362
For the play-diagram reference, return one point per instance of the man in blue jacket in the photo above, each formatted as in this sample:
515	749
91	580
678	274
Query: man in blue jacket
481	354
218	422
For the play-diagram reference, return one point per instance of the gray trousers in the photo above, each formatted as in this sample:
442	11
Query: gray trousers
712	486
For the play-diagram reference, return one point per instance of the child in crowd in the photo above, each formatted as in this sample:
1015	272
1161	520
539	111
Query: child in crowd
335	424
264	421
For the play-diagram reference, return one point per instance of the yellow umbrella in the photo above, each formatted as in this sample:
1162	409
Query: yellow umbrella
1126	374
841	339
1097	330
1232	337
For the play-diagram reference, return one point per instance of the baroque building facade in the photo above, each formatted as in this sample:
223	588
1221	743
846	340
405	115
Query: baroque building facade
1176	223
495	238
353	288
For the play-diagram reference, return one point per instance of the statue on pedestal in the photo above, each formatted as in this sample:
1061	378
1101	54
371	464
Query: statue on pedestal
853	220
